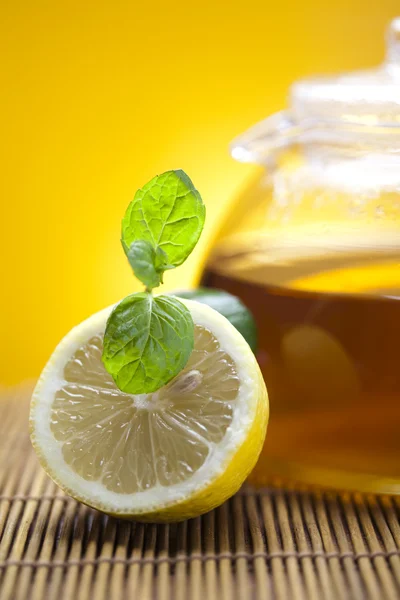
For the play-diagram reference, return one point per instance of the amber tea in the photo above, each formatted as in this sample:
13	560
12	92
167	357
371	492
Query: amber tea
329	333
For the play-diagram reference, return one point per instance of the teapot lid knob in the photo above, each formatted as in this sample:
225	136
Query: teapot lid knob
393	42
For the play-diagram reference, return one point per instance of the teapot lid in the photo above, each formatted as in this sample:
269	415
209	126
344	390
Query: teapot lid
362	103
370	97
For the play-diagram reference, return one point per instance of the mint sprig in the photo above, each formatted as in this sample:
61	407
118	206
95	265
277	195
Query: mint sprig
148	340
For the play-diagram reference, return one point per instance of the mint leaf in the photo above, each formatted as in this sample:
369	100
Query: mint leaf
147	263
147	342
167	212
230	307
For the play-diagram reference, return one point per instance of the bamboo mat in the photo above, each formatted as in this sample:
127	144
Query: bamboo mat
265	544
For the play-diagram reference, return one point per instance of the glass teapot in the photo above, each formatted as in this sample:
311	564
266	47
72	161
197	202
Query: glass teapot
312	247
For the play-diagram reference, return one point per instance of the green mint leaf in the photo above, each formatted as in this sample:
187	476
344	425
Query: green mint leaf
230	307
167	212
147	342
147	263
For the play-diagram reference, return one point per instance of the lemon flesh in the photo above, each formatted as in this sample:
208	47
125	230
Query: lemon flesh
168	455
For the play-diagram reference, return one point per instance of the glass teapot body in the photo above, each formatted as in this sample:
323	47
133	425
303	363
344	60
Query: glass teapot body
312	246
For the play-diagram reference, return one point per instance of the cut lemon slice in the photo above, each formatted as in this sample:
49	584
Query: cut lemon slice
169	455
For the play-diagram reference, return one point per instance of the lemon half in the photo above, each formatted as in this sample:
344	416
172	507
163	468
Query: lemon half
169	455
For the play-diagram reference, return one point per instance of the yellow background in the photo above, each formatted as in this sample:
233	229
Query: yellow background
97	97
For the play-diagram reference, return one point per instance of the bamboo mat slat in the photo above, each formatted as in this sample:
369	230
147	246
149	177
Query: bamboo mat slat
262	544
